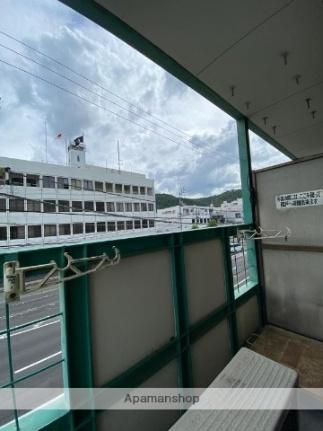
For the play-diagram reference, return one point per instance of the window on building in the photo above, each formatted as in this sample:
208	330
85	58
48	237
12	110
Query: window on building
16	179
32	180
64	229
129	224
50	230
62	183
128	207
87	185
2	204
118	188
99	206
150	207
100	226
120	207
142	190
3	233
76	184
127	189
111	225
16	205
98	186
48	182
135	190
77	228
151	223
89	227
88	206
77	206
34	231
143	206
33	206
109	187
110	207
137	224
49	206
120	225
17	232
145	224
149	191
136	206
63	206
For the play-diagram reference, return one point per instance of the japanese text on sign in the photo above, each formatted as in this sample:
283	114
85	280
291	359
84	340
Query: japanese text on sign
299	200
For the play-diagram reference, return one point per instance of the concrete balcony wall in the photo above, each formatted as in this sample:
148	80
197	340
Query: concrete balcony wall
293	268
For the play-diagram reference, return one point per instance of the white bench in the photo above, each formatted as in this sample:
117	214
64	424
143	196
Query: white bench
247	369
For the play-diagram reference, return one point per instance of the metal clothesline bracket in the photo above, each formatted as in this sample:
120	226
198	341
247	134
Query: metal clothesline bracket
14	275
260	233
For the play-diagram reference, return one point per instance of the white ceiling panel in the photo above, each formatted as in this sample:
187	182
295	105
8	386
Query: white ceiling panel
238	43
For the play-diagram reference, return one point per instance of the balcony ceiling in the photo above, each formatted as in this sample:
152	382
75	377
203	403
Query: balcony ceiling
227	43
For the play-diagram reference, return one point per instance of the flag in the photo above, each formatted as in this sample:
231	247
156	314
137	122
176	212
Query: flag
60	135
79	140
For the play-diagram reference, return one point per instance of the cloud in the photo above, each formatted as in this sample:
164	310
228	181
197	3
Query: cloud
193	146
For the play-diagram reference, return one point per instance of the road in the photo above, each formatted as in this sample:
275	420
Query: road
33	347
239	269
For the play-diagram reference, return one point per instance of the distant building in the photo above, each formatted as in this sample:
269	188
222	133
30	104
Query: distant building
230	212
47	203
185	216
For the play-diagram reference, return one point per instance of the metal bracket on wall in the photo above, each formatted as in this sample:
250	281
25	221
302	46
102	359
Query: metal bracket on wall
14	280
260	233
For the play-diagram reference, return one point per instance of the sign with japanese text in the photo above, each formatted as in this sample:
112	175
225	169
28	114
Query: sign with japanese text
300	199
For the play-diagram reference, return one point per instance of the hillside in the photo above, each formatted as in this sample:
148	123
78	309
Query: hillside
164	200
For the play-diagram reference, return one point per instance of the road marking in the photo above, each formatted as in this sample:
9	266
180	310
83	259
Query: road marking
38	362
33	328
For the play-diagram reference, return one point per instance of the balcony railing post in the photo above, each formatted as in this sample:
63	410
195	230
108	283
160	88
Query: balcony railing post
181	310
78	338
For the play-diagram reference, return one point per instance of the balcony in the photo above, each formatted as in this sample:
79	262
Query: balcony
179	306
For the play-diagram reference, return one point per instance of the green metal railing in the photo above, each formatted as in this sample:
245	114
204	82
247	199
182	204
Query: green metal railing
76	322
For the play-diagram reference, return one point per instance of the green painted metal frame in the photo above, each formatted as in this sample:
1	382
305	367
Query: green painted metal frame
248	193
104	18
78	338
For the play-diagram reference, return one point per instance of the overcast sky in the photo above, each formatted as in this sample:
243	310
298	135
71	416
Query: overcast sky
160	148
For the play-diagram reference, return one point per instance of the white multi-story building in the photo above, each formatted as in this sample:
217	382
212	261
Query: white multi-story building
43	203
183	216
230	212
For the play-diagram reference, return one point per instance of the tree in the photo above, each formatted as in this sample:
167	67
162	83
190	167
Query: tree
212	222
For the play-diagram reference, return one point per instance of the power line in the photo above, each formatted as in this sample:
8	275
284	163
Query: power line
91	91
84	99
90	80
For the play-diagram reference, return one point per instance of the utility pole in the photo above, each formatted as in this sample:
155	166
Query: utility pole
46	141
119	161
181	203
